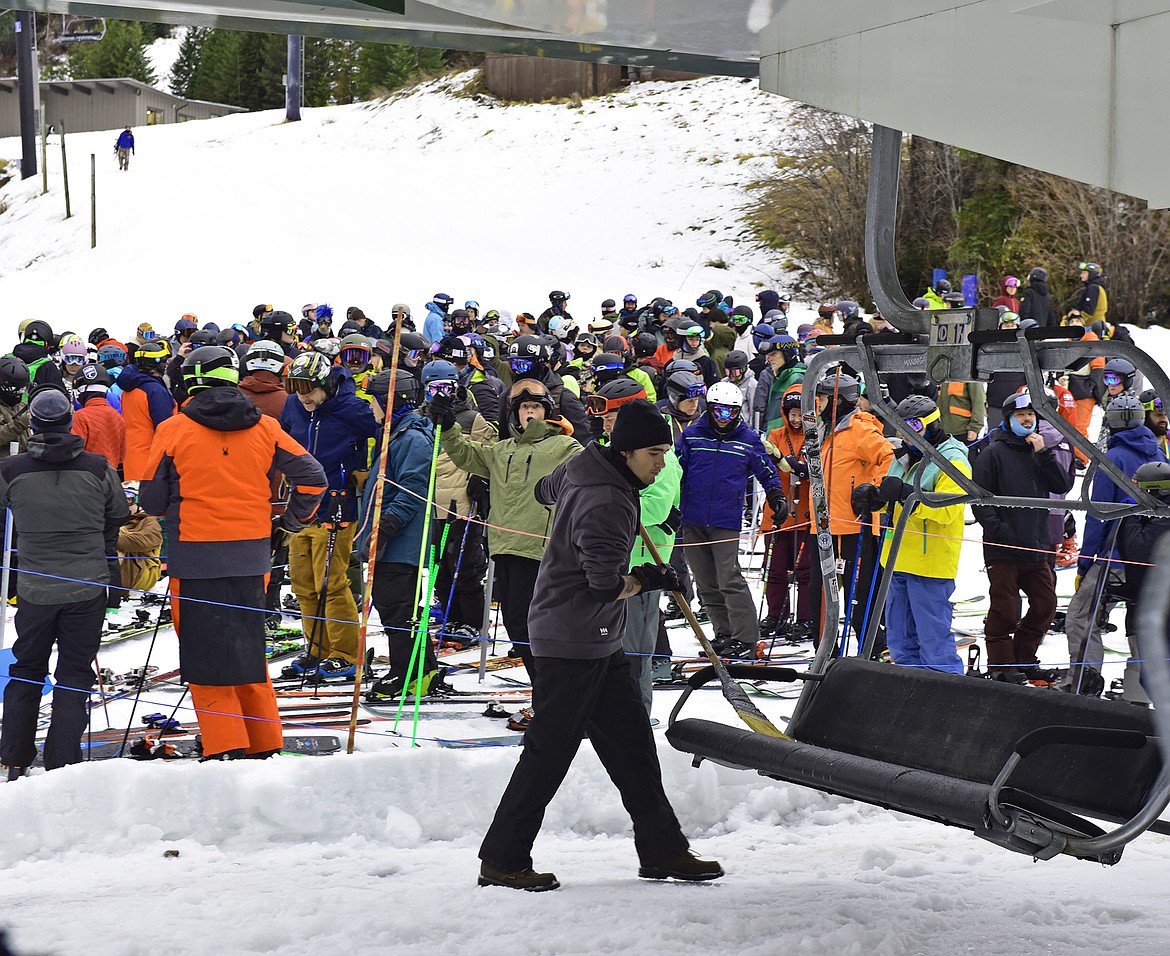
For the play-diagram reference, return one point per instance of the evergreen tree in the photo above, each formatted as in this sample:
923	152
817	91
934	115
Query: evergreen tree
182	79
385	67
320	66
121	52
217	72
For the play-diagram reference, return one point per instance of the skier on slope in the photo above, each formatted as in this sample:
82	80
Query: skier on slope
208	469
124	146
582	675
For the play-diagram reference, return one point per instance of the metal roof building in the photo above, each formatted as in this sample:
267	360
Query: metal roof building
87	105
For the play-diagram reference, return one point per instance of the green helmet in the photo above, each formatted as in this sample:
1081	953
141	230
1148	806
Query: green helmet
210	366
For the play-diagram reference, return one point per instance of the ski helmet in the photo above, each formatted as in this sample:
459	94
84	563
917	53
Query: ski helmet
356	350
586	344
681	385
73	350
709	299
39	333
724	405
556	296
687	331
1121	370
645	344
922	415
440	377
460	321
607	366
735	361
849	310
153	356
202	337
264	356
845	387
404	386
528	390
308	371
455	349
613	394
761	332
563	327
210	366
942	287
680	365
96	337
1038	275
1151	401
275	324
742	316
13	373
528	356
1124	412
91	381
1094	270
1154	477
112	354
329	347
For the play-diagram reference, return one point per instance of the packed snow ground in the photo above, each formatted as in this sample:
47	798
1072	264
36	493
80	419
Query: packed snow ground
379	203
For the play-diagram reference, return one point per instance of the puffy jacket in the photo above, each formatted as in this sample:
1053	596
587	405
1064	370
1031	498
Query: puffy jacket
855	453
146	404
139	544
433	323
335	434
1128	450
408	456
102	429
1008	466
518	524
716	470
1036	304
933	536
13	426
266	391
1093	300
789	443
489	394
208	473
69	505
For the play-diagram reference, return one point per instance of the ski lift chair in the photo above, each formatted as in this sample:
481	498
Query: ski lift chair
1031	771
82	30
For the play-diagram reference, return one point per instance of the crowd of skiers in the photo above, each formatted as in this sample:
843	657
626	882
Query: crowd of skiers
259	445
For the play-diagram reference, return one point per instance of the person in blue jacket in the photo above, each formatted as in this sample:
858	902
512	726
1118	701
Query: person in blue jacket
400	529
324	413
719	454
437	322
124	147
1131	445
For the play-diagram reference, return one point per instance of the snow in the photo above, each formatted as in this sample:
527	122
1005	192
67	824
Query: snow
162	54
376	852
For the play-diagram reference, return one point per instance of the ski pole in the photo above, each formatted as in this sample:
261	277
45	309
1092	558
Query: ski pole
323	597
1098	593
417	652
454	577
485	625
849	597
375	514
101	692
141	684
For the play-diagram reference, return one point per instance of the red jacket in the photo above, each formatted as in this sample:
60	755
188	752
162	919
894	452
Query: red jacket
102	429
266	390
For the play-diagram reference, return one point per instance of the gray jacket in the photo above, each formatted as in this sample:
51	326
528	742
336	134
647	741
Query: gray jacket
575	611
68	505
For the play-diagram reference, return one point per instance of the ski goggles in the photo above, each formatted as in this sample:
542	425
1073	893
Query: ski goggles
919	424
414	354
1087	267
693	391
669	310
301	386
444	387
355	355
600	405
608	367
1111	379
691	332
724	414
521	366
1018	401
148	333
630	300
1154	405
1163	485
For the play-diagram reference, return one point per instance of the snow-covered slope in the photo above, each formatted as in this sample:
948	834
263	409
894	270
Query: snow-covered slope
383	202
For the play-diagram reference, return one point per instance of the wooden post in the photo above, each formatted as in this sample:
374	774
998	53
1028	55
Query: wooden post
44	153
92	201
65	170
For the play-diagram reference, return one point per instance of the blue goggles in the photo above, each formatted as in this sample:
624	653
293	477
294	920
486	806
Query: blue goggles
521	366
724	414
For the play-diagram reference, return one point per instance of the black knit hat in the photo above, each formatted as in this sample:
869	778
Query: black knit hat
50	410
639	425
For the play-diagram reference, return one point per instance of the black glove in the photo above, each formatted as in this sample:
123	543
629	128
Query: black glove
778	503
388	527
865	499
797	467
283	525
894	490
670	524
441	411
660	577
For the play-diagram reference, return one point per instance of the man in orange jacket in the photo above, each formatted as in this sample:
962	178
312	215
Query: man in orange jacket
209	469
146	404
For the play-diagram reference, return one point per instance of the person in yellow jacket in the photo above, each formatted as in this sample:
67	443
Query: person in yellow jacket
918	608
139	545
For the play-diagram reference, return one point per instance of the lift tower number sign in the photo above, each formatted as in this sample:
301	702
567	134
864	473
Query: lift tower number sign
948	356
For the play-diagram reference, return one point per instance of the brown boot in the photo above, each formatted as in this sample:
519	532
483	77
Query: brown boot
686	867
526	879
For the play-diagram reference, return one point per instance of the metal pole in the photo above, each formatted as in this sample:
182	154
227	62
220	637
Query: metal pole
27	79
487	613
92	201
44	152
292	85
65	170
6	564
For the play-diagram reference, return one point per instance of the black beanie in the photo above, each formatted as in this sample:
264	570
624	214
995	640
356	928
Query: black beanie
639	425
50	411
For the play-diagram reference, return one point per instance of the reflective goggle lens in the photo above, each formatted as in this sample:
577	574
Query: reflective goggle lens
355	355
723	413
1111	378
521	366
299	386
696	391
414	354
1154	405
1083	267
1021	400
919	424
442	387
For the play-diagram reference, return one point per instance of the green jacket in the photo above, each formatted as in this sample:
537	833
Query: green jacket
642	377
518	523
657	500
720	342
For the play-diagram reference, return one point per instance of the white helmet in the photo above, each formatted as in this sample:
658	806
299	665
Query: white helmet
725	393
562	327
264	355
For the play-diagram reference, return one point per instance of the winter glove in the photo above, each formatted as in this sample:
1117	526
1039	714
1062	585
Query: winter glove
865	500
660	577
441	411
894	490
388	527
797	467
1067	554
778	503
1077	582
670	524
774	452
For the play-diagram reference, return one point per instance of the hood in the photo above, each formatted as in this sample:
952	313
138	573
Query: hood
411	420
1140	441
1096	280
599	466
540	429
346	388
56	447
433	307
222	409
1048	432
262	382
28	353
131	378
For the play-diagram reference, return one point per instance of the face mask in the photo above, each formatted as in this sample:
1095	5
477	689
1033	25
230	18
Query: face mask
1019	430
